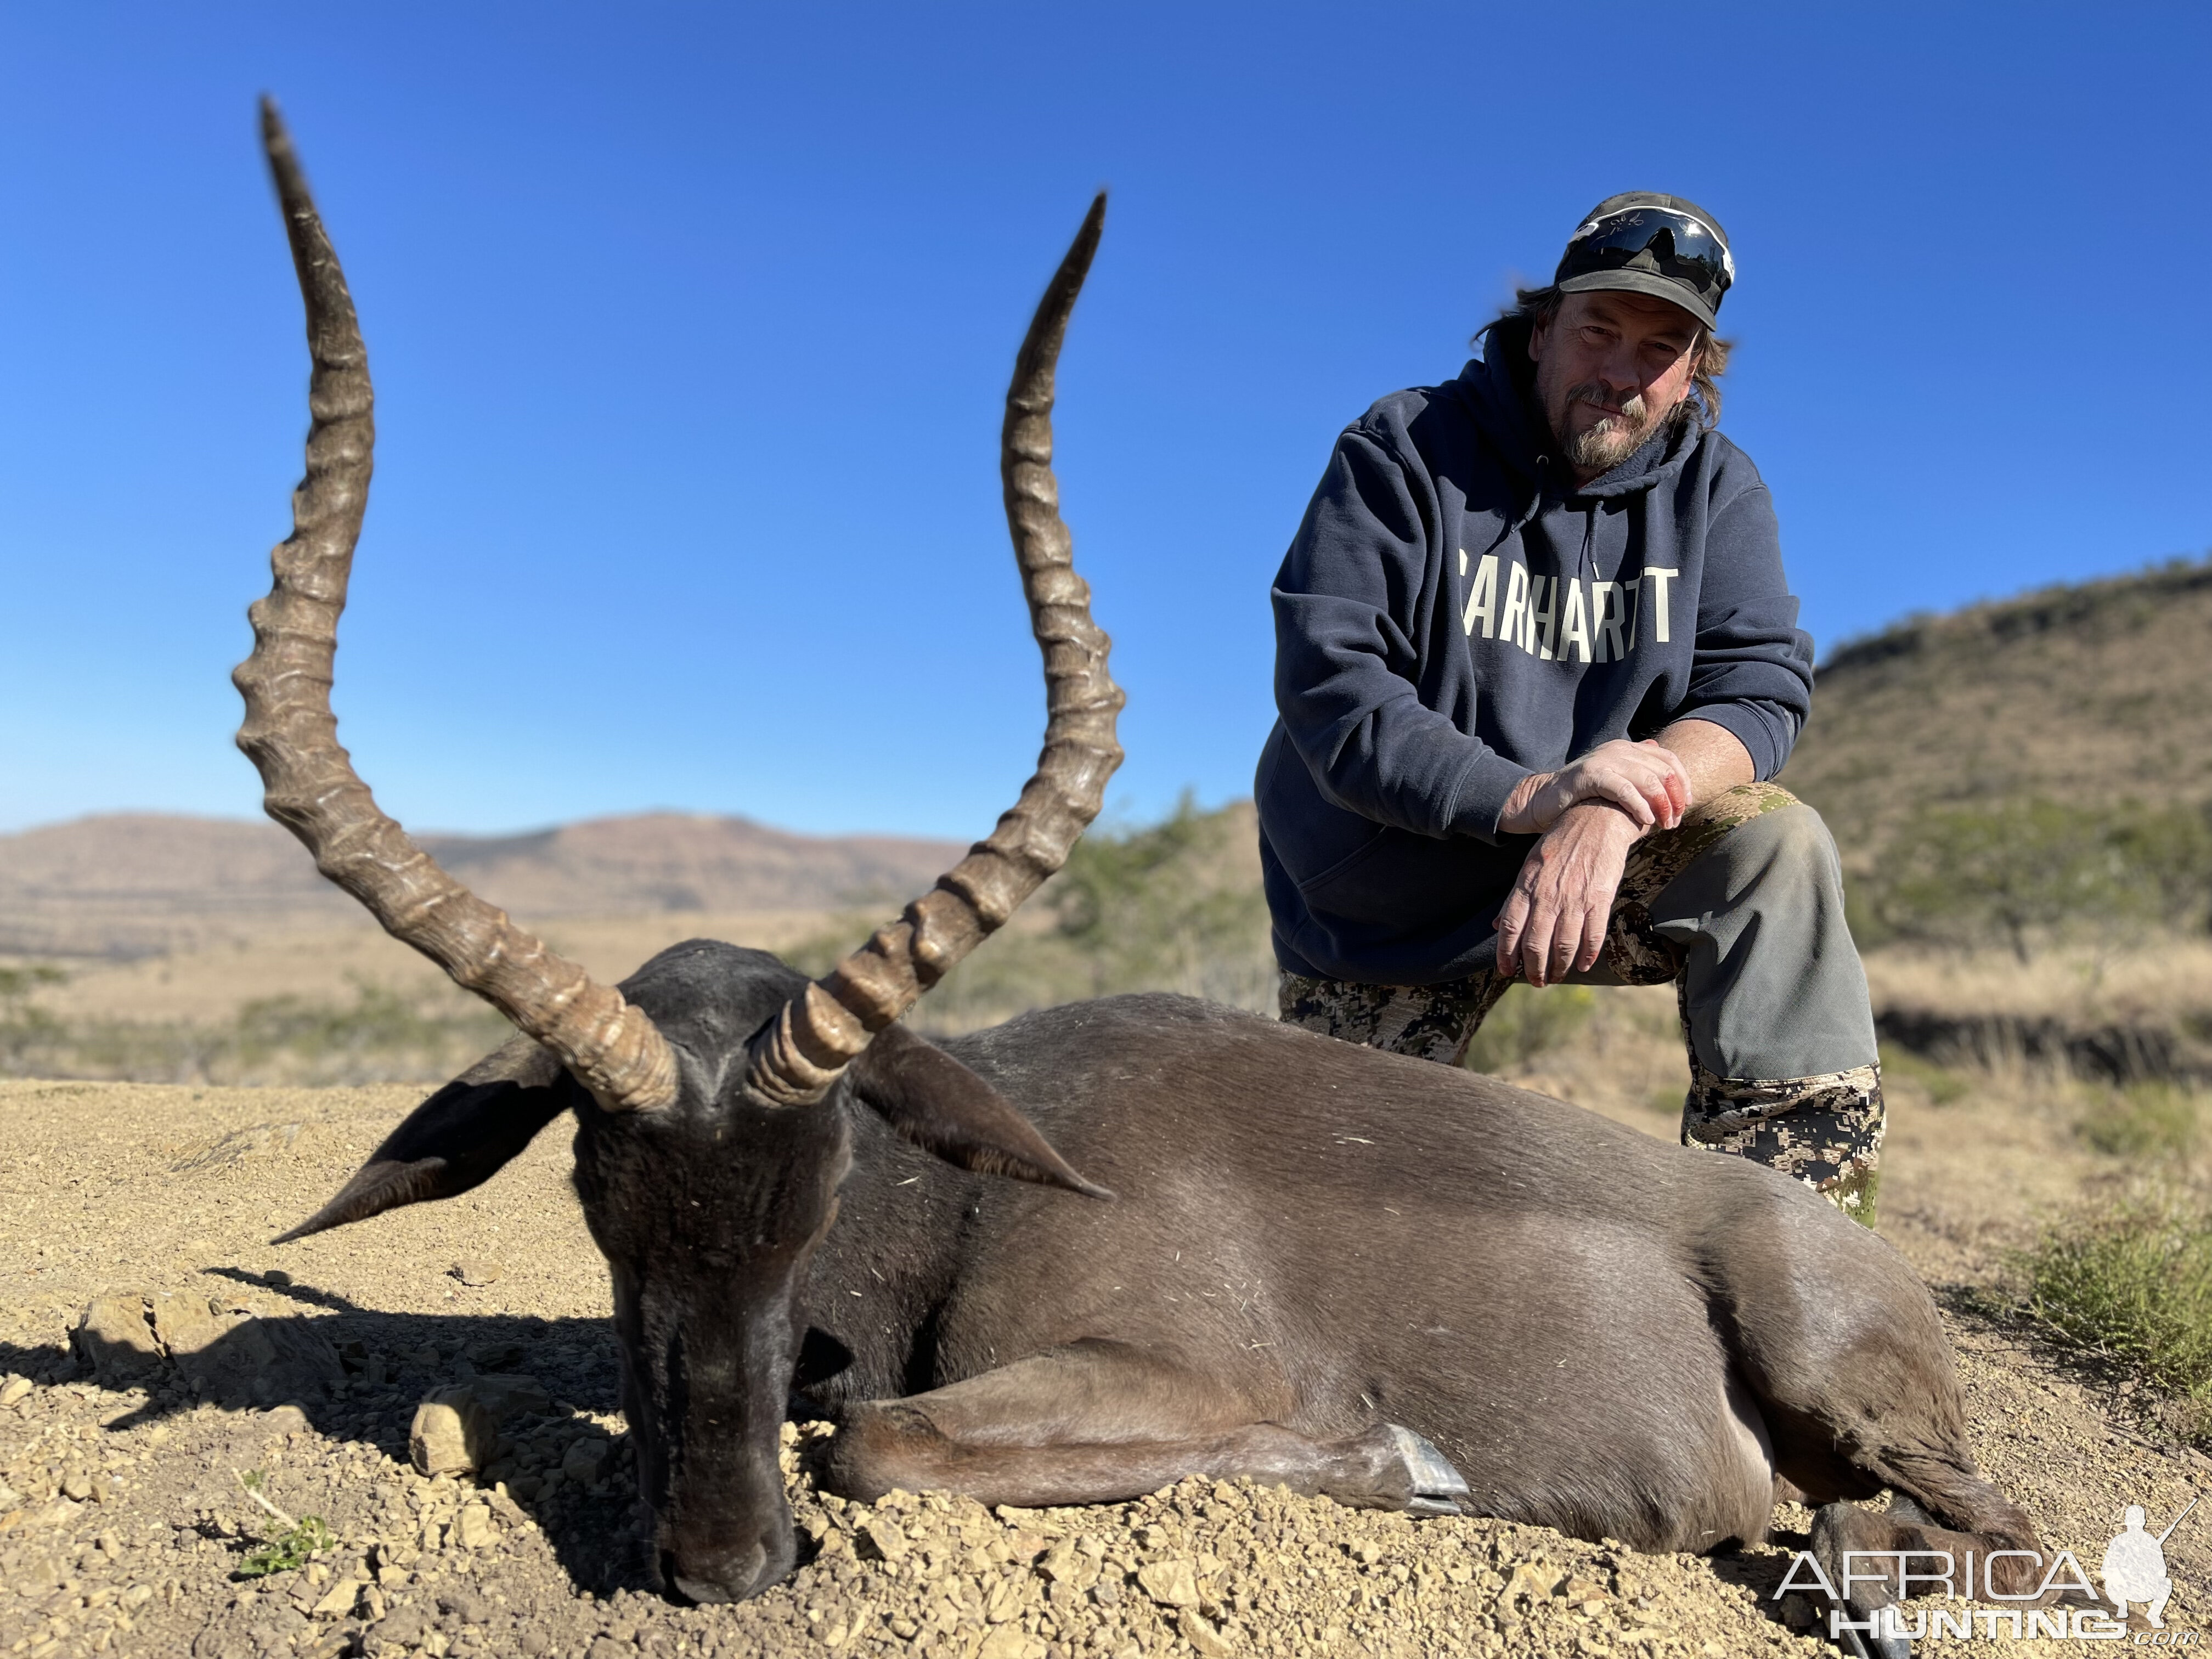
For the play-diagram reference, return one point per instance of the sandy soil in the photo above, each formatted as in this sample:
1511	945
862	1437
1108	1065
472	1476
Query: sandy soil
123	1523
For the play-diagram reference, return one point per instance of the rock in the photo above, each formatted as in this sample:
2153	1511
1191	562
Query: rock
506	1395
1202	1636
1171	1584
14	1391
884	1534
277	1279
456	1428
473	1529
451	1434
35	1574
405	1627
340	1601
242	1359
477	1273
283	1419
1004	1602
1533	1579
1007	1641
116	1338
584	1460
1583	1594
466	1605
185	1324
496	1355
1066	1564
77	1487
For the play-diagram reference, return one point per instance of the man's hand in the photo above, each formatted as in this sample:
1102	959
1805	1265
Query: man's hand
1646	780
1554	920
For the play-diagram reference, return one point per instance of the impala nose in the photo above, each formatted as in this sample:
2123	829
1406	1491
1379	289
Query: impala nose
708	1576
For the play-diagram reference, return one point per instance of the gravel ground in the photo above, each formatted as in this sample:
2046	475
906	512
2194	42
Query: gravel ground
133	1222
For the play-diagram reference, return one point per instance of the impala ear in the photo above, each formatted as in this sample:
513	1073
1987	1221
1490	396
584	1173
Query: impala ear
459	1137
934	1101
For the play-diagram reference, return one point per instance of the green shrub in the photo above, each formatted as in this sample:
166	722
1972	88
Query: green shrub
1163	907
292	1547
1158	908
1527	1023
2135	1283
380	1037
25	1026
290	1550
2144	1119
1942	1086
377	1025
2028	871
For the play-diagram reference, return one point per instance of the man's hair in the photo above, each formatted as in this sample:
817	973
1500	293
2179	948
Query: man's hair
1504	339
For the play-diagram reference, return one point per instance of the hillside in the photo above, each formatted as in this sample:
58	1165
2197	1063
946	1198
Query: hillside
132	884
2083	695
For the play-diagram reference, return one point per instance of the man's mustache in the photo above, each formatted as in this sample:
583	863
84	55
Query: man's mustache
1630	408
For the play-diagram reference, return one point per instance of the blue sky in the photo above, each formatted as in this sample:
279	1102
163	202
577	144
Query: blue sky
691	325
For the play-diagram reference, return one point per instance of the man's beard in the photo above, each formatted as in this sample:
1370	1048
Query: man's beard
1618	435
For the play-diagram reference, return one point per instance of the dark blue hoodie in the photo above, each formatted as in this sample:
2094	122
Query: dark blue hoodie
1455	614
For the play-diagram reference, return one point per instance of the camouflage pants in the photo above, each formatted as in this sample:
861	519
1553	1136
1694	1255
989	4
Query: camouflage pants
1758	885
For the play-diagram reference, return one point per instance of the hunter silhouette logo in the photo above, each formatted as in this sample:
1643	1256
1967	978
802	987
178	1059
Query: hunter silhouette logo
1862	1598
2134	1567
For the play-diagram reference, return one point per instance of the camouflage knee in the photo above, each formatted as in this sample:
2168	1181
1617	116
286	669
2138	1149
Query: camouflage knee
1824	1131
1635	951
1429	1022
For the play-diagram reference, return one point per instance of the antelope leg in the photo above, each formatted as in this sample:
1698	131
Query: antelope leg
1098	1423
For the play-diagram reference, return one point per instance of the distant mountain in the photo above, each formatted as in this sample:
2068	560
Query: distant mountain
130	883
2086	695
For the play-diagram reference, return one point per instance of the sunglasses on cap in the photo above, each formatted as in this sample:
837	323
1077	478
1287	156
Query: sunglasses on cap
1681	246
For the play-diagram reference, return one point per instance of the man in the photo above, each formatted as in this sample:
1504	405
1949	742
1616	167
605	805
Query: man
1535	657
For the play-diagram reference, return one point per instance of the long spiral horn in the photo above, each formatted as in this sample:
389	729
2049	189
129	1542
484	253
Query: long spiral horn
308	782
797	1057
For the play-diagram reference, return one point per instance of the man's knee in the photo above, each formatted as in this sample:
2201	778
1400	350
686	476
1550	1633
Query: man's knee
1792	840
1772	841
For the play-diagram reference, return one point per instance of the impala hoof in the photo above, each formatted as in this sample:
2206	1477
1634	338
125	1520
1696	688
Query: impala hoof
1439	1488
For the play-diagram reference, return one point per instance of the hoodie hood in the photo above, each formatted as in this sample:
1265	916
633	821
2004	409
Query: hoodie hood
1518	434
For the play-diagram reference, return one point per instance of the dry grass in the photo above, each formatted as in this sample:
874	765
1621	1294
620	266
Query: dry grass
211	984
2159	981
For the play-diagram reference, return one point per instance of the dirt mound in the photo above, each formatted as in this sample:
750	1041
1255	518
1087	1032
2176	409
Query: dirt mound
124	1526
430	1565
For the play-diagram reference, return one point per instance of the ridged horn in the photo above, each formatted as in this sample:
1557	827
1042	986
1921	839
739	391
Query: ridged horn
799	1055
308	782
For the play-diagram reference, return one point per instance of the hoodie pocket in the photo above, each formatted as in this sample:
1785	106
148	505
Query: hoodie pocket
1348	868
1356	876
1399	880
